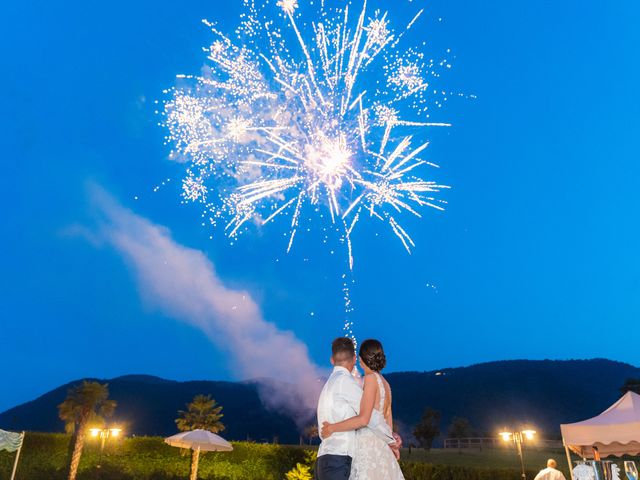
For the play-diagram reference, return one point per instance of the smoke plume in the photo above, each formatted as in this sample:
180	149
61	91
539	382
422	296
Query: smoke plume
183	283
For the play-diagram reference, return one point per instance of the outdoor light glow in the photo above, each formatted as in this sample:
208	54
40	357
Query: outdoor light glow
105	432
518	436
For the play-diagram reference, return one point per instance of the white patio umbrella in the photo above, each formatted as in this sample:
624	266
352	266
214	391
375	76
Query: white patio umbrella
198	440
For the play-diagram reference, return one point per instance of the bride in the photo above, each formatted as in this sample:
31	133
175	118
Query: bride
373	459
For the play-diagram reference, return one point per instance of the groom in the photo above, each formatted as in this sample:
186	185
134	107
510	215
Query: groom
339	400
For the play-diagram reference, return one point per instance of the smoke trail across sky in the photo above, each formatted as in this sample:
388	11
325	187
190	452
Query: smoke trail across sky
183	283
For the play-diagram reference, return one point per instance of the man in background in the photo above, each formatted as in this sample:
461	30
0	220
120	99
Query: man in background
551	472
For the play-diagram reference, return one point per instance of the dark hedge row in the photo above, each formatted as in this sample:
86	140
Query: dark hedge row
148	458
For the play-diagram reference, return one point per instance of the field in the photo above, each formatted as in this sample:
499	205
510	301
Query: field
534	459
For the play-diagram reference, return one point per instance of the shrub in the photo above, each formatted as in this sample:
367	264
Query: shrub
299	472
148	458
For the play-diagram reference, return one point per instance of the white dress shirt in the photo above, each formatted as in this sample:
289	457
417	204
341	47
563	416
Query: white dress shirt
340	399
550	474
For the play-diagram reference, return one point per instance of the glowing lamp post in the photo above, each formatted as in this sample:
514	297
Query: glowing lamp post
103	434
518	438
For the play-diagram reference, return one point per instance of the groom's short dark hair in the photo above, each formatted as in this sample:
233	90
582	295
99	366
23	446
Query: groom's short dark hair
342	348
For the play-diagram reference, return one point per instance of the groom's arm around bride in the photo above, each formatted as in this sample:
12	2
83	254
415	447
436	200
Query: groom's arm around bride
340	400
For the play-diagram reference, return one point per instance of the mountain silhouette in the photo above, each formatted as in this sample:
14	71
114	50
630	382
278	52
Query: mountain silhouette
491	395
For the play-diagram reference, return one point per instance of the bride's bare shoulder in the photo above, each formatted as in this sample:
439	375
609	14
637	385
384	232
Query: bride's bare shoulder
370	378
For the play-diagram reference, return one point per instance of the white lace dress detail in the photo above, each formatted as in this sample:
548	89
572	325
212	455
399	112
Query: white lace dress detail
373	459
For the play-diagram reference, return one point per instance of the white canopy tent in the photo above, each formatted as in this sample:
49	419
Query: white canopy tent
616	431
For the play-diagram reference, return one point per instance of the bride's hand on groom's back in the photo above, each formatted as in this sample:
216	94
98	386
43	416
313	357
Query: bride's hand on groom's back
326	430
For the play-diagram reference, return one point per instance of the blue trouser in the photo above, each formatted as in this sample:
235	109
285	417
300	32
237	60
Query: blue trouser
333	467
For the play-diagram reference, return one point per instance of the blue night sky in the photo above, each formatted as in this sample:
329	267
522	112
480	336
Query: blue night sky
536	256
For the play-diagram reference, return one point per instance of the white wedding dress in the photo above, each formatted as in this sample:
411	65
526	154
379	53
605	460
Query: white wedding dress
373	459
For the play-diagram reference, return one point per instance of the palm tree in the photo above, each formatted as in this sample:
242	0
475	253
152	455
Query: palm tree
85	403
202	413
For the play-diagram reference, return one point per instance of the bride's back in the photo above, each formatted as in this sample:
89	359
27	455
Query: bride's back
374	460
387	400
383	395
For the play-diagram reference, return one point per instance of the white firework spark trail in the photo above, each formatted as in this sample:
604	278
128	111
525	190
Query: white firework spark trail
299	118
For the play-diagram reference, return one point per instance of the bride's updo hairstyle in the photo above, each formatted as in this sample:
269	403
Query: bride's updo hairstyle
372	355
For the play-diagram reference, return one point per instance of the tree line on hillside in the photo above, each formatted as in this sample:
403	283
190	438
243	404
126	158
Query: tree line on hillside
428	428
631	385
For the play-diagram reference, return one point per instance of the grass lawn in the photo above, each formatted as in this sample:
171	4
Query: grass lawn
534	459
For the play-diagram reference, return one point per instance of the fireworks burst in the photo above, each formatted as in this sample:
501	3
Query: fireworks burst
295	118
